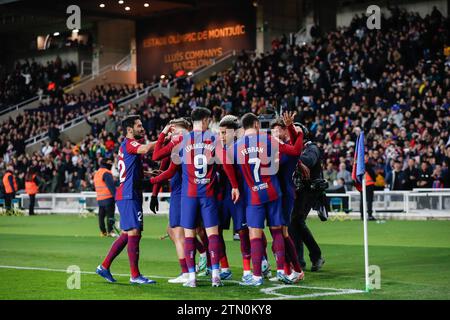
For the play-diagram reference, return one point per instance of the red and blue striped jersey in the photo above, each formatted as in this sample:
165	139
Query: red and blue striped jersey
197	154
130	170
258	158
288	165
253	155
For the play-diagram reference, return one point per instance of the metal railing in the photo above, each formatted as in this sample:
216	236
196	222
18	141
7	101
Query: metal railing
124	64
407	205
77	203
69	124
71	86
19	105
435	201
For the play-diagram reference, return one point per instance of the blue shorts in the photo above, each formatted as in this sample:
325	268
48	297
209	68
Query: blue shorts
288	206
175	211
131	214
228	210
272	211
192	207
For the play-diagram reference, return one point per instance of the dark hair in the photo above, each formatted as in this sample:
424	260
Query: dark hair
277	122
200	113
105	161
229	122
129	121
30	173
248	120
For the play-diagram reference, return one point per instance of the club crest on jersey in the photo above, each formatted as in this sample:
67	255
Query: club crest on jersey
259	187
202	181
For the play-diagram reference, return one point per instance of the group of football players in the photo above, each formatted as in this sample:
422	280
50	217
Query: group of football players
240	173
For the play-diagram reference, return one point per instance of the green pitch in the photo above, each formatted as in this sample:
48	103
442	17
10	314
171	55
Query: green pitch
413	256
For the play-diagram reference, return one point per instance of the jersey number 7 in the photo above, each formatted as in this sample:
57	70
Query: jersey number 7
257	163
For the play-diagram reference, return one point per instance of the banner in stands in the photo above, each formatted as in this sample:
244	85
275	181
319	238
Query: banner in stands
191	39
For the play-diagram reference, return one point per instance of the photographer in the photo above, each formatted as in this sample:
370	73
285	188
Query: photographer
310	187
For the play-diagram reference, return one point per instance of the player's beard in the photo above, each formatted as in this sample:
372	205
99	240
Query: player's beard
137	135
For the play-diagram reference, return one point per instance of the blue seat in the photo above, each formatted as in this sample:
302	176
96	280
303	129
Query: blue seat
337	202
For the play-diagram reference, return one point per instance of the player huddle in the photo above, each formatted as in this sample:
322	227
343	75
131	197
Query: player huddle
240	173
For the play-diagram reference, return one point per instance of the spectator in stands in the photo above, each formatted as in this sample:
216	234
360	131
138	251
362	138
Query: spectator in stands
53	132
438	178
396	179
330	174
345	174
411	175
425	176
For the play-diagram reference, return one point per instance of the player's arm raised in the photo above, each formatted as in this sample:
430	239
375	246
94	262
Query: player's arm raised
288	119
161	151
294	150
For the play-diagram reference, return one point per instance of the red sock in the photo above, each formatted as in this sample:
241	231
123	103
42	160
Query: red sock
264	240
133	255
215	250
224	250
287	268
115	250
223	258
204	239
199	246
224	262
189	253
291	253
246	264
245	249
208	259
257	251
278	248
183	265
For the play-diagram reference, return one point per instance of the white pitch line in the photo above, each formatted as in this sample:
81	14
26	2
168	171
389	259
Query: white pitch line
268	291
65	271
280	296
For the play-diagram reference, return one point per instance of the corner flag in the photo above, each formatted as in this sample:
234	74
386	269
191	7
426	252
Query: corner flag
358	176
359	168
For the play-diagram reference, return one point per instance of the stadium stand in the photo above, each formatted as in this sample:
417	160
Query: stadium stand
29	79
397	80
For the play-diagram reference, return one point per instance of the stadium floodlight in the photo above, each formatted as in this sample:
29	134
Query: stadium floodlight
146	5
127	8
121	1
102	5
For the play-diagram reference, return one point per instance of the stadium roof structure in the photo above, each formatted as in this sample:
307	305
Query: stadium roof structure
31	15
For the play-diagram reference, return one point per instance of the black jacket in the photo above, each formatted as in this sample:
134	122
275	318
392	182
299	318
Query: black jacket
311	157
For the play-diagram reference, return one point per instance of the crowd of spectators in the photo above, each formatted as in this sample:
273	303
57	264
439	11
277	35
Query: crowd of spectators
55	110
30	78
392	83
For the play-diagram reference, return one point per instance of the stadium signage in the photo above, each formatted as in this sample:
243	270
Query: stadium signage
191	41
